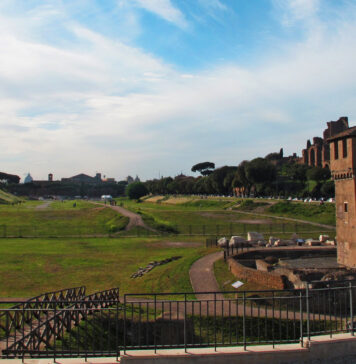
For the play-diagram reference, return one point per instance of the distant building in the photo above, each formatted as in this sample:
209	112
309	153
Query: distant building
129	180
137	179
28	179
318	153
343	172
84	178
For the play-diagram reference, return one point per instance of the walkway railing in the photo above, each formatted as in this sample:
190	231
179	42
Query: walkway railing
38	336
100	325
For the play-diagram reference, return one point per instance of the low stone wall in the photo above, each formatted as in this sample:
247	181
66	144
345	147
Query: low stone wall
262	265
270	280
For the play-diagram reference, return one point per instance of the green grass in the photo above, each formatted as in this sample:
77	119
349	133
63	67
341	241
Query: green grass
211	217
323	214
8	198
249	205
59	219
29	267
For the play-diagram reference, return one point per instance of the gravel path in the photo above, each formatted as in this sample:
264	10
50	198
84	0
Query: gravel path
202	276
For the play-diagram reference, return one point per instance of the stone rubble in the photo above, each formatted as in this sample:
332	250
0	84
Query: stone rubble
141	271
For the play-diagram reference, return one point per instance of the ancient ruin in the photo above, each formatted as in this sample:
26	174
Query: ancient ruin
342	165
318	153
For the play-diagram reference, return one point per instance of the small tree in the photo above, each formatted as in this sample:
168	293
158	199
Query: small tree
136	190
205	168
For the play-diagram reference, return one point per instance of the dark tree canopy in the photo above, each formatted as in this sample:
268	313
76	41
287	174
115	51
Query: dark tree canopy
205	168
136	190
318	174
9	178
260	170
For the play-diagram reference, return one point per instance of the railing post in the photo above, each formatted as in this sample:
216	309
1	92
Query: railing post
214	321
55	333
301	317
117	330
125	324
244	319
351	309
308	310
185	322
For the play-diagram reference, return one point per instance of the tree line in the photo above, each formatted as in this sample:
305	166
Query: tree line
273	175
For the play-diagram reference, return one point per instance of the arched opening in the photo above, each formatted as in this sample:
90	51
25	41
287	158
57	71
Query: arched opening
312	157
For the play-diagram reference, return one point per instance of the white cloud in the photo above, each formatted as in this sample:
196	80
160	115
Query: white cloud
164	9
98	104
297	10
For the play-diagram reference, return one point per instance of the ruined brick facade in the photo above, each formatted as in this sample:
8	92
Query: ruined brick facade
343	171
318	153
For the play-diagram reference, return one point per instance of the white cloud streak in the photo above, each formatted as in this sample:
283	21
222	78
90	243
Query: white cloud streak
164	9
106	106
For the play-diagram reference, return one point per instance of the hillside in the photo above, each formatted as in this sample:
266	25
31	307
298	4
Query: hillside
8	198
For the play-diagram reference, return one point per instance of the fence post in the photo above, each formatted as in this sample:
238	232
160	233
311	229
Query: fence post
185	322
301	317
117	329
125	324
308	311
351	310
244	319
214	321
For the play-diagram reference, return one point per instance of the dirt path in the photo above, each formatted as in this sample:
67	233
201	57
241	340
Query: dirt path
44	205
135	219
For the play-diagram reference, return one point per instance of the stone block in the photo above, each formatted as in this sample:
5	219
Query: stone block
254	236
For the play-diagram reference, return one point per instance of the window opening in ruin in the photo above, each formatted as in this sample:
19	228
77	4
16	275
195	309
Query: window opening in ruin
345	206
344	148
336	150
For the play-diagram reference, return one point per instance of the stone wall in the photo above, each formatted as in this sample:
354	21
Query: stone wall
267	279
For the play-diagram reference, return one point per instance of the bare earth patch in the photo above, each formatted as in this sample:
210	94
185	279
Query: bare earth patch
177	244
258	221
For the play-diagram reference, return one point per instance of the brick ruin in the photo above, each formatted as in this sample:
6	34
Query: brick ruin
318	153
343	171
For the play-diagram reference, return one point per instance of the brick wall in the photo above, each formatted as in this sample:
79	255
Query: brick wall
267	279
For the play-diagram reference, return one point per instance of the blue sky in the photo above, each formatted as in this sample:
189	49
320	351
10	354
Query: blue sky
151	87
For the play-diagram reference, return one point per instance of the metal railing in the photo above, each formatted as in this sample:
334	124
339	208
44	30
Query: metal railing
34	330
58	230
103	326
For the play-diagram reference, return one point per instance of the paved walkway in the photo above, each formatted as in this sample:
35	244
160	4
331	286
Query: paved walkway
202	276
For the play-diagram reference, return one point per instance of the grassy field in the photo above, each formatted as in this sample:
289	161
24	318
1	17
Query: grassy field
32	266
58	219
230	216
8	198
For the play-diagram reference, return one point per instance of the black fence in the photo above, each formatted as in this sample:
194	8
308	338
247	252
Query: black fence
104	325
57	230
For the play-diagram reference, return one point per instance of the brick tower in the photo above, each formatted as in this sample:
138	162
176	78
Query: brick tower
343	171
